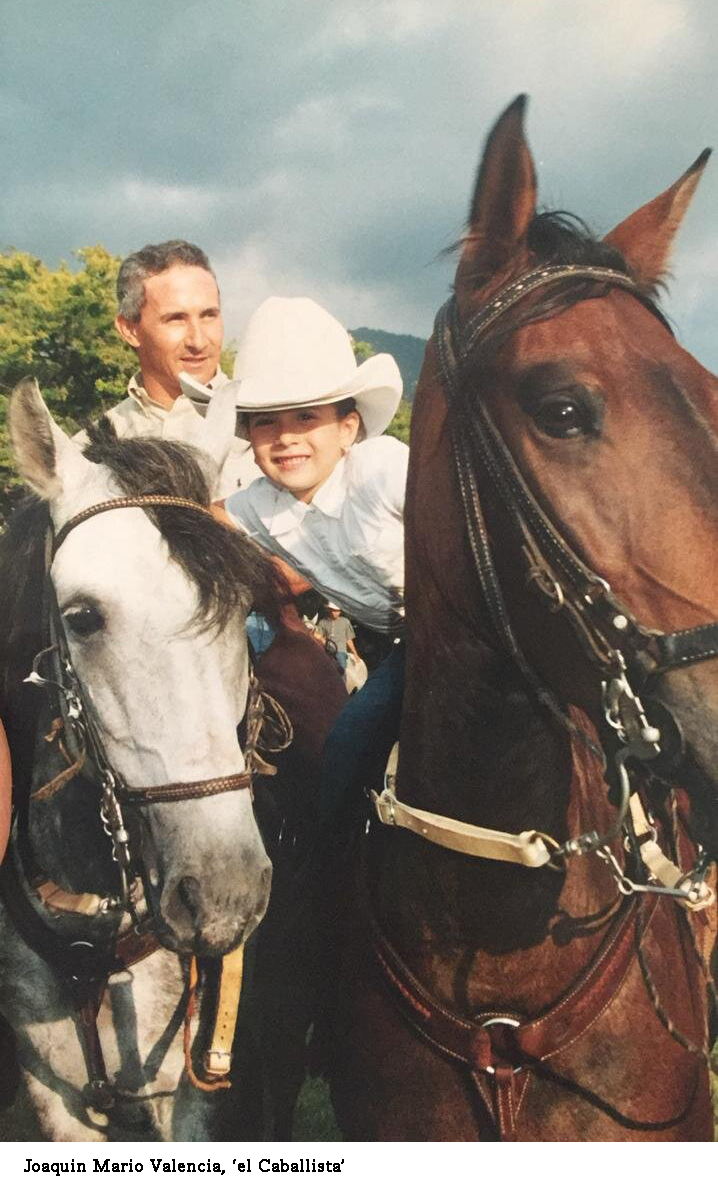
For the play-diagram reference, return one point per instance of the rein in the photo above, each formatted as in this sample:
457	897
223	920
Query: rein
84	964
626	654
615	642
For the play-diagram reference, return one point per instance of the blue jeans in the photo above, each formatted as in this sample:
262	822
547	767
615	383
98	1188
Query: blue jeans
260	633
360	740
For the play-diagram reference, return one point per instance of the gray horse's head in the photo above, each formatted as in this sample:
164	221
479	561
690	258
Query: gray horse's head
152	603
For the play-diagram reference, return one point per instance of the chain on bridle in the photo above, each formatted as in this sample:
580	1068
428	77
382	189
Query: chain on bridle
82	744
505	1048
625	652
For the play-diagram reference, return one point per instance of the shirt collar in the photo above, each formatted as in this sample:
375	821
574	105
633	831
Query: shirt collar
139	395
287	513
330	496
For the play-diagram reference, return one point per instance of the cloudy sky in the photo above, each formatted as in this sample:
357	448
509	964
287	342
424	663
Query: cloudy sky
328	147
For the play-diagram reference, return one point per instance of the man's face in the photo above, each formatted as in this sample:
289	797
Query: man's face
179	330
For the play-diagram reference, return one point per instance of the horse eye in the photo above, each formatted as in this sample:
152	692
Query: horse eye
84	621
562	416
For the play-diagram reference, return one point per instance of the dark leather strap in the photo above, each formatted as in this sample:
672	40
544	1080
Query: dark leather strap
182	791
506	1052
686	647
125	502
604	624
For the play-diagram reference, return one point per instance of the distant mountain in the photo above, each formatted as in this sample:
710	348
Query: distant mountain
408	351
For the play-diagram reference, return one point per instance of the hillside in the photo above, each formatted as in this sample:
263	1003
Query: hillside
408	351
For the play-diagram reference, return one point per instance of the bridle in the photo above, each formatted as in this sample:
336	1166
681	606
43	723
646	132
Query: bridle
627	655
85	962
82	739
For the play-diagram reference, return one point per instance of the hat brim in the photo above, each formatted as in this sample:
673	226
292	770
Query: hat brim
376	386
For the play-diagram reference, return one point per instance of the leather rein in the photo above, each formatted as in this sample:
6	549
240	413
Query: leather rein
37	907
626	654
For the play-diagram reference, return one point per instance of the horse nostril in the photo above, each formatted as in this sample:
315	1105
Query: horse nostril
189	890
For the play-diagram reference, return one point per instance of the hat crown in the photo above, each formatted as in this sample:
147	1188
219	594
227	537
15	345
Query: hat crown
292	354
292	345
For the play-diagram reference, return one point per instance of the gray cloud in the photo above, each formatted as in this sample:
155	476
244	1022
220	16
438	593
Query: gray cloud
329	147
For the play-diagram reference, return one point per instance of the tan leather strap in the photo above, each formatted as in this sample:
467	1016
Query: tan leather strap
529	848
73	766
59	900
662	869
218	1058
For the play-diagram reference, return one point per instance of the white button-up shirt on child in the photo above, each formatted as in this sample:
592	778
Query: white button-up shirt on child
348	541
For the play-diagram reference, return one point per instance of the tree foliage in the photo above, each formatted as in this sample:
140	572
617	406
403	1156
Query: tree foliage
401	421
57	325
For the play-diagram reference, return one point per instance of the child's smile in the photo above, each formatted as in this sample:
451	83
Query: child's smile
298	449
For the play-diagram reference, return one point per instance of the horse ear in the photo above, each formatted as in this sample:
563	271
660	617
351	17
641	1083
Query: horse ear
504	200
47	460
644	238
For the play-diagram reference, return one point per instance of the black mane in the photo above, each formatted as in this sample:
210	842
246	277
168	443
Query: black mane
228	570
558	237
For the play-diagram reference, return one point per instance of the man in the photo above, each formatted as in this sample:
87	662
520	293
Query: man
169	313
336	628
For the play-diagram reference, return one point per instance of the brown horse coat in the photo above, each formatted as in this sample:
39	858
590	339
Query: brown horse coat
483	936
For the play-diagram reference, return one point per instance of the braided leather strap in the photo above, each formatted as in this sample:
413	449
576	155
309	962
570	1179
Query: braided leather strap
184	790
126	502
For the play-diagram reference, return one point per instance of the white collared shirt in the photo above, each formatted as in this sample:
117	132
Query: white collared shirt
348	541
138	416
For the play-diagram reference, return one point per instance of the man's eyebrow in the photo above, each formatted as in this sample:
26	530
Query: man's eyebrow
172	314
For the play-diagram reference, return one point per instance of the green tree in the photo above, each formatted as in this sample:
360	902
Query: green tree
57	325
401	421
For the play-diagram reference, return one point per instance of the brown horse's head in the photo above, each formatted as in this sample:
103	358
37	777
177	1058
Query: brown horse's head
611	423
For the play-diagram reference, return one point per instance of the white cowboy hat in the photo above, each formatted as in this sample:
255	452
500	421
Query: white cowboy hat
293	354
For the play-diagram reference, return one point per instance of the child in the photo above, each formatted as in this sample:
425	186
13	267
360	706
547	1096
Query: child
330	502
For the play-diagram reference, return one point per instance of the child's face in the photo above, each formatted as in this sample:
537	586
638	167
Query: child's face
299	448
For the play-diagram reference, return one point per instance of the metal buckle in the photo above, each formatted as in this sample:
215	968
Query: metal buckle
513	1023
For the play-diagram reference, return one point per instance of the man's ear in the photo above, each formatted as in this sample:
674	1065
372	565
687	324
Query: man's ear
127	331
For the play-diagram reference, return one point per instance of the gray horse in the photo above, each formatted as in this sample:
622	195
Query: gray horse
151	604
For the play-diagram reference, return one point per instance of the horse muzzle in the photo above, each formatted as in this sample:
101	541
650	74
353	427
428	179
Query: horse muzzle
211	915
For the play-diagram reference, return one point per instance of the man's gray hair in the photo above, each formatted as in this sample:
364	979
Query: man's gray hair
148	262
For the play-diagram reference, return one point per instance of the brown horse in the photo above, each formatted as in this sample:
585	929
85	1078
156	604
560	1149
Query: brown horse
490	999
